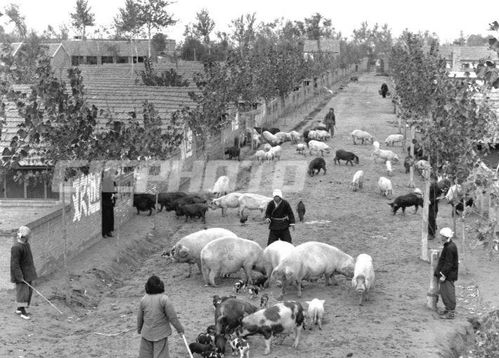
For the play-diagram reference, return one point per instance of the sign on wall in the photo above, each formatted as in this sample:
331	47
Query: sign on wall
86	195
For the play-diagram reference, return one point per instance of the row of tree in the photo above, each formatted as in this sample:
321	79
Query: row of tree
452	115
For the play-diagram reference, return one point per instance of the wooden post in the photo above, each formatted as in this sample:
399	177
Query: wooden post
65	238
432	295
424	222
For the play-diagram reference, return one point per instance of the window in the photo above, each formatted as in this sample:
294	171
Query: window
122	59
91	60
107	59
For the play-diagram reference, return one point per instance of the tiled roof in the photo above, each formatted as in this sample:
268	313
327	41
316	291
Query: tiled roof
468	53
326	45
112	88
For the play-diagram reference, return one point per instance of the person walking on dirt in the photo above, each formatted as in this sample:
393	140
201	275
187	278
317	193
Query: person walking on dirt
446	272
156	312
280	217
330	121
22	271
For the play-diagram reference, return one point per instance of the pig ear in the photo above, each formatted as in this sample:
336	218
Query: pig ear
182	251
322	301
308	302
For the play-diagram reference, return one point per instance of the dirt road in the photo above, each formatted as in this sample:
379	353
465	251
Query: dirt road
395	323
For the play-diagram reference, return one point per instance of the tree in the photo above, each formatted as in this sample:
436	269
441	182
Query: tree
82	17
244	32
203	27
476	40
154	16
14	16
158	43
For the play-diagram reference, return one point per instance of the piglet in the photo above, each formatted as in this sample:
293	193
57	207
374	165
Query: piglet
240	345
363	279
200	348
315	312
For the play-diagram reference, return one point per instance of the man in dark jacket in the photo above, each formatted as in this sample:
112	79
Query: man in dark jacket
108	202
435	193
280	217
22	271
330	121
446	272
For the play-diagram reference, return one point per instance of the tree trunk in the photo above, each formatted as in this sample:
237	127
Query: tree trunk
411	169
83	34
149	42
424	228
65	252
432	295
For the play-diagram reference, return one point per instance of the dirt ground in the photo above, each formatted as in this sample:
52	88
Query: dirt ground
395	323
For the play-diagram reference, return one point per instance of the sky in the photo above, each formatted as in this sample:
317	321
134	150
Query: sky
447	18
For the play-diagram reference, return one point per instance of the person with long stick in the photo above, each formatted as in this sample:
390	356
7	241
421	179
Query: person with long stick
22	271
156	312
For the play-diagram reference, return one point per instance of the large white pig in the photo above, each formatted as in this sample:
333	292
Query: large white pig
309	261
188	249
227	255
227	201
363	276
252	201
273	254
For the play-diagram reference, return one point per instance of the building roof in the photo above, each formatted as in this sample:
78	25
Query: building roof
111	48
112	88
326	45
468	53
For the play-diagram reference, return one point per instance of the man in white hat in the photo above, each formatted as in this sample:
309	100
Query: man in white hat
280	217
22	270
446	272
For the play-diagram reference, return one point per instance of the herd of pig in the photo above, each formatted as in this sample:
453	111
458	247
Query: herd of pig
219	252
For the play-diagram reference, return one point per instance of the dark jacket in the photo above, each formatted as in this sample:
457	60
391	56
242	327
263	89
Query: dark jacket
435	193
22	266
448	262
280	217
330	118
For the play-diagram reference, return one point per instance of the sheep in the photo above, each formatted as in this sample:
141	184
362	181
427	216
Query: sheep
385	186
389	167
394	138
300	148
312	134
283	137
384	154
361	135
267	147
270	138
318	146
269	156
260	155
358	180
221	186
322	135
295	137
276	151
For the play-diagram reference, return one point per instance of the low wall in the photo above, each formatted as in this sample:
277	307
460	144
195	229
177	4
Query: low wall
48	232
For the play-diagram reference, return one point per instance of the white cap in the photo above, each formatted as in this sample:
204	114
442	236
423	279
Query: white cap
24	231
277	192
447	232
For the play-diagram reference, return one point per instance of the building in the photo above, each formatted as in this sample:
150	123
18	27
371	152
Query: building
99	52
330	46
462	60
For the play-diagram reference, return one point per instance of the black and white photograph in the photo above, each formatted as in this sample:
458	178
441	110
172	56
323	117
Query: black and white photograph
206	179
